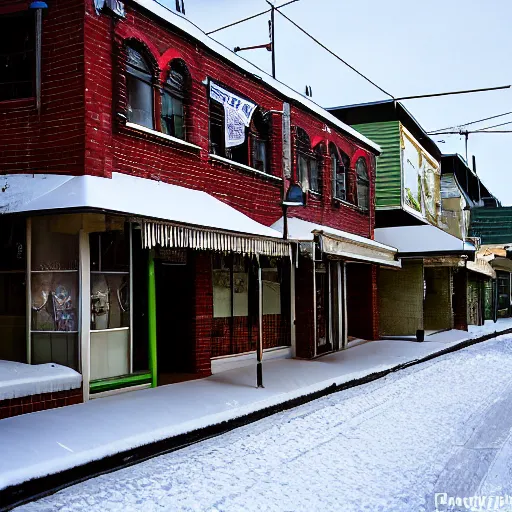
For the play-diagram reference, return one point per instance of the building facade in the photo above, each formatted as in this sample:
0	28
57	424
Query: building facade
142	166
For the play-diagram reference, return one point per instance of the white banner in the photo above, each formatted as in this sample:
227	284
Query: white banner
237	114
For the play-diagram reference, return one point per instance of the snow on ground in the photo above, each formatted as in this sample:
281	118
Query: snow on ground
74	435
18	379
385	446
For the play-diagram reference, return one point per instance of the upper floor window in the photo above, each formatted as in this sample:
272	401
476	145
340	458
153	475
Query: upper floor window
340	164
139	85
173	117
17	56
239	130
363	184
307	163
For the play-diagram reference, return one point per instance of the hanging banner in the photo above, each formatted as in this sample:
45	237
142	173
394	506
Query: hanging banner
237	114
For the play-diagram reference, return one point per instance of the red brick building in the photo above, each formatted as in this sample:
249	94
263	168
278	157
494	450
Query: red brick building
136	118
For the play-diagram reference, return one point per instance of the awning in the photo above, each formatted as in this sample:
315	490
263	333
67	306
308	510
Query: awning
423	241
481	266
340	243
171	216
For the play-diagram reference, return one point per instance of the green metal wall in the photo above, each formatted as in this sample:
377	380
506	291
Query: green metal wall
388	183
492	225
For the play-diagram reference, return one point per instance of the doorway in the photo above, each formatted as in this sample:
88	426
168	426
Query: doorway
174	307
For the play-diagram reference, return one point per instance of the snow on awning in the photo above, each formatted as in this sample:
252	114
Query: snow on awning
424	240
172	216
340	243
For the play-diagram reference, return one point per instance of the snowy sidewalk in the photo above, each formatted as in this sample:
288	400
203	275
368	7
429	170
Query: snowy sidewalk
47	442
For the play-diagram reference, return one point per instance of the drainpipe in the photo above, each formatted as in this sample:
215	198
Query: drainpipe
38	6
259	351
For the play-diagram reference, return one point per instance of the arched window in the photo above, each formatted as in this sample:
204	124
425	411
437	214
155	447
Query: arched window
139	85
173	116
363	184
340	164
259	139
307	163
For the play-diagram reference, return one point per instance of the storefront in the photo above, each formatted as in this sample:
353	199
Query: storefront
335	286
130	294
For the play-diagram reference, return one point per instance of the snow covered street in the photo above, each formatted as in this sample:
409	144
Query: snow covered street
439	427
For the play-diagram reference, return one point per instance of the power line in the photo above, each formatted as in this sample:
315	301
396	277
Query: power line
494	126
334	54
464	132
433	132
248	18
467	91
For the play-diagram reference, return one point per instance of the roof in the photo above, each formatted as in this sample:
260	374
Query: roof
340	243
220	50
382	111
126	194
425	240
492	225
470	183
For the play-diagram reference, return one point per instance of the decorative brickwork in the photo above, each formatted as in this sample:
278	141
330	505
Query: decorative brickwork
35	403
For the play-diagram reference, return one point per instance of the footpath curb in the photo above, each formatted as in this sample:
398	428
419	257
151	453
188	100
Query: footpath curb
37	488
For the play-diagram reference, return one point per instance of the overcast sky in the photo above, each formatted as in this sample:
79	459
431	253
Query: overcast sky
406	47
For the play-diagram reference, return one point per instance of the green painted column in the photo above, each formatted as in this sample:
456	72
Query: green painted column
152	319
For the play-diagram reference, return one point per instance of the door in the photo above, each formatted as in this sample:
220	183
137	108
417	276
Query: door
174	296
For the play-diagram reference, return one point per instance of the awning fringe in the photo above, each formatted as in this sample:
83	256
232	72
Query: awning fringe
173	236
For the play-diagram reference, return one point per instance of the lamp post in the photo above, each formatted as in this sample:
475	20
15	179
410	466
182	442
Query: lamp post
294	197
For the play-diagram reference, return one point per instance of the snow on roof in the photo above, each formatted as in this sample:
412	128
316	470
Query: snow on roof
303	230
126	194
194	31
18	379
420	240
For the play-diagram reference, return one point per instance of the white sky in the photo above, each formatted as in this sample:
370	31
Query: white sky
406	47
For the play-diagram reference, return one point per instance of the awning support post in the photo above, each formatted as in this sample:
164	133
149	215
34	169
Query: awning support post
259	351
152	320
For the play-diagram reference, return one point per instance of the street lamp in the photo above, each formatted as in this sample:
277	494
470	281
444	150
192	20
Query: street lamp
294	197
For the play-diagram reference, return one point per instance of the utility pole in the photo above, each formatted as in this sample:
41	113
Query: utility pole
273	36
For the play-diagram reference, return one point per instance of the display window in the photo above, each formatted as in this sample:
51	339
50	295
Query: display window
54	290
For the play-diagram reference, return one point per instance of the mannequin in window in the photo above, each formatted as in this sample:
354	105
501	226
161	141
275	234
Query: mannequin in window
139	85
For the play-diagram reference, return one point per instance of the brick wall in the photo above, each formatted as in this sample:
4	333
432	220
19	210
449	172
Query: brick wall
461	299
52	142
42	402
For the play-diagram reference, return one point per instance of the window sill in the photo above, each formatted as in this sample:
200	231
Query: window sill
18	104
163	136
232	163
350	205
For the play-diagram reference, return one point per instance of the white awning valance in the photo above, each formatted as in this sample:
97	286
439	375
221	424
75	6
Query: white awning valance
341	244
171	216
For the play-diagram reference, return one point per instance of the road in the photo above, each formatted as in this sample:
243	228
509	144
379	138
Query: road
443	427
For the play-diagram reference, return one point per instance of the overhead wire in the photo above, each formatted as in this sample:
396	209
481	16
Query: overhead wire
433	132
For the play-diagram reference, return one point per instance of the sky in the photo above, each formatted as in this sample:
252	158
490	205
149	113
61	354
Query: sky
407	48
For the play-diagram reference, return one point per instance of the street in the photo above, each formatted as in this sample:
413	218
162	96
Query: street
391	445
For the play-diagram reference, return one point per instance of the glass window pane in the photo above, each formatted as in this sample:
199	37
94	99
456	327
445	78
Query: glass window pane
303	172
55	301
110	251
60	348
140	101
314	182
12	244
271	291
110	301
221	287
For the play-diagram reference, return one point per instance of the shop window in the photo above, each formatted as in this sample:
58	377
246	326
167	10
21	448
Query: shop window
271	286
139	85
54	290
230	286
340	164
110	302
13	341
17	56
363	184
173	116
308	163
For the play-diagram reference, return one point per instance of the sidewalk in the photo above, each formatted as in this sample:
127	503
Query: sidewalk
45	443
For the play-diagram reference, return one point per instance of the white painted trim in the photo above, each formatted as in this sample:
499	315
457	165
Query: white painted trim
85	312
104	394
315	332
345	309
28	292
243	166
225	363
161	135
113	329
